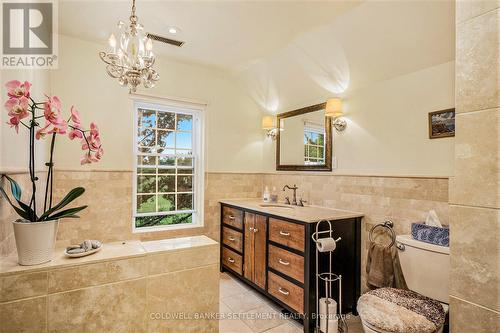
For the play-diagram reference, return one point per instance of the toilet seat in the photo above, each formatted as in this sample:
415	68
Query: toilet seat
400	311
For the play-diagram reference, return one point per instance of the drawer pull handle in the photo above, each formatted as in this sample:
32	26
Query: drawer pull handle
284	233
283	291
231	260
231	217
283	262
231	238
255	229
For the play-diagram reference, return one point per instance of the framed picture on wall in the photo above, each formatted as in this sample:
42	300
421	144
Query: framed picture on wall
442	124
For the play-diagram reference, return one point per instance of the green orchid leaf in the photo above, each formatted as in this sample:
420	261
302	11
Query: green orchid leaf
66	213
72	195
16	193
19	211
14	188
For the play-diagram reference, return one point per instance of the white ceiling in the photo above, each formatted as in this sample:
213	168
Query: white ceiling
287	53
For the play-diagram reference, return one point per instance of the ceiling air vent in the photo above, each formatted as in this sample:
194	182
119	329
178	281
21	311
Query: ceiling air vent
165	40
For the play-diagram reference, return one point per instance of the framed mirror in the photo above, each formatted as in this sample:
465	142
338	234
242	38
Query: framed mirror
304	140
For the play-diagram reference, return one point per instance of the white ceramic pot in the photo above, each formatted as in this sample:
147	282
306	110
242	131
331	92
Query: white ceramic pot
35	241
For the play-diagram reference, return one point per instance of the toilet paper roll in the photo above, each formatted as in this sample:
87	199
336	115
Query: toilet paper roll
333	323
326	244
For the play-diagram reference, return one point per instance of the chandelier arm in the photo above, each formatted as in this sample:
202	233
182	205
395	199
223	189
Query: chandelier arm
102	55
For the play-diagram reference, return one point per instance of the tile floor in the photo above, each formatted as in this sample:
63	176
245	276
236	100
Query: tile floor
246	311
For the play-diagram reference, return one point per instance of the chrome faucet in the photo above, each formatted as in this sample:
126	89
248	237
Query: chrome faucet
294	188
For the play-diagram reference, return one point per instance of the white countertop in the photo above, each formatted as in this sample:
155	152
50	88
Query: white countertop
109	251
308	214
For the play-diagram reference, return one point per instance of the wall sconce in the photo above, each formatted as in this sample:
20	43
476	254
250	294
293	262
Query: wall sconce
269	125
334	110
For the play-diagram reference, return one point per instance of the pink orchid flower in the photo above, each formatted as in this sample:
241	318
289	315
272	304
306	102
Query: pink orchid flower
14	122
52	110
16	89
17	107
99	153
75	116
59	128
87	159
75	133
42	132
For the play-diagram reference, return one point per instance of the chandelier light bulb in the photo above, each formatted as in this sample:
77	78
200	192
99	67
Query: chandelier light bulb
149	45
112	42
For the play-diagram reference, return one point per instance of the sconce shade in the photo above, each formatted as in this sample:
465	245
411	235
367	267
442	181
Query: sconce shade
334	108
268	123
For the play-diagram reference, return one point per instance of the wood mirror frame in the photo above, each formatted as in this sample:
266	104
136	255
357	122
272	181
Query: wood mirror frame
328	141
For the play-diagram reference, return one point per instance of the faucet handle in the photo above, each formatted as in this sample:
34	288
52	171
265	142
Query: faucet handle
302	202
287	200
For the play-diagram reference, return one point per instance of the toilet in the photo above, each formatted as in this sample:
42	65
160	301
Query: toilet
423	308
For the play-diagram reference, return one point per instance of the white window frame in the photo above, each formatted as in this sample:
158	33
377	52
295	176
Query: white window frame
198	144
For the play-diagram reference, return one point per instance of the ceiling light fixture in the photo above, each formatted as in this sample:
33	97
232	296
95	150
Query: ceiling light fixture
131	58
173	30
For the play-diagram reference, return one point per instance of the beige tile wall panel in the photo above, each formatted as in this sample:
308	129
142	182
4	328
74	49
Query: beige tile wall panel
478	63
470	318
26	316
17	286
475	249
112	308
477	160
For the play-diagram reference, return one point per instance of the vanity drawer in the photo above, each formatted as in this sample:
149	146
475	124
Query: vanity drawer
287	292
287	233
232	260
287	263
232	238
232	217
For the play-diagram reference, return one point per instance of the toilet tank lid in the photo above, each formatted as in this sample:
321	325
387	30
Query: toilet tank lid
407	240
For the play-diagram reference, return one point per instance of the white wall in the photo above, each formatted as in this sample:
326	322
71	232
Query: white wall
234	137
387	131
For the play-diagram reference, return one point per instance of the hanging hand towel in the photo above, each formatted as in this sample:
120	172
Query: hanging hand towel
379	267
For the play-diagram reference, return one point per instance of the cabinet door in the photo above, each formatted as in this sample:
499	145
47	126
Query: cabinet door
260	251
249	260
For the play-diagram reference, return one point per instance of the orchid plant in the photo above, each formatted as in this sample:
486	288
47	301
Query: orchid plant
26	112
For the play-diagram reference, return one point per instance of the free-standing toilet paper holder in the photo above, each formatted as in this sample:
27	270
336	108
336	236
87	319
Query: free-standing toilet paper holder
328	278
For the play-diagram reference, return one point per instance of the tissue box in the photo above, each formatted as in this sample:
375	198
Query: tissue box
430	234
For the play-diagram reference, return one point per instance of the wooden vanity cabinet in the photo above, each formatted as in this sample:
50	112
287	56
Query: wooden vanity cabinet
276	257
255	249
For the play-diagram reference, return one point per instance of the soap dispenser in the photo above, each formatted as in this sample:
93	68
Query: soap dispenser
267	195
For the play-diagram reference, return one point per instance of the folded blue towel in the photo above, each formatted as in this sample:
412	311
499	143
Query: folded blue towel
430	234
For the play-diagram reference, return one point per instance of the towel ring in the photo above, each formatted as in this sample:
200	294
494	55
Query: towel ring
388	225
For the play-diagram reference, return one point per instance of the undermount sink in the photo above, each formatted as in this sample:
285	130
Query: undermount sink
278	206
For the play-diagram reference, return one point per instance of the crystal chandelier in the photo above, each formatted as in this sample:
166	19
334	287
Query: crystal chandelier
131	58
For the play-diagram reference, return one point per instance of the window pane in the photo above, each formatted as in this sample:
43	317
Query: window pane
184	140
146	203
166	202
185	171
166	161
320	152
150	221
321	139
166	120
146	170
185	161
146	160
184	183
147	150
313	151
166	183
146	137
147	118
146	184
166	139
185	201
184	122
169	171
